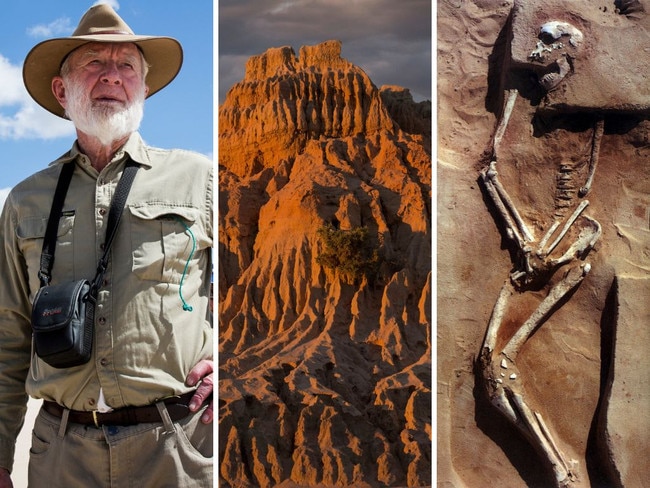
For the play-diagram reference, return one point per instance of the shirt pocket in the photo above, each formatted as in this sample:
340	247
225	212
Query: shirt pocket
161	242
31	232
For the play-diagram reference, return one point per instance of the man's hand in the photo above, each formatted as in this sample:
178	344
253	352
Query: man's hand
201	374
5	479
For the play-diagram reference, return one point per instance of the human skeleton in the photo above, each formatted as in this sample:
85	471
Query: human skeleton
535	263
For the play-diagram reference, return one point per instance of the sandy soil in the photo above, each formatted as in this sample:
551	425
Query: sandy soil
566	362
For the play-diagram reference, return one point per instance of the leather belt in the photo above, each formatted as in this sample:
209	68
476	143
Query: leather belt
177	407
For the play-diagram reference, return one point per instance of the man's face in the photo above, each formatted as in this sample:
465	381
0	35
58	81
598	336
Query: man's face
102	89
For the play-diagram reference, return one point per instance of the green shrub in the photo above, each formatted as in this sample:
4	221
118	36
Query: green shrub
351	252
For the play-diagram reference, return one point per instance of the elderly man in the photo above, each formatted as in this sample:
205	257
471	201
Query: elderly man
138	412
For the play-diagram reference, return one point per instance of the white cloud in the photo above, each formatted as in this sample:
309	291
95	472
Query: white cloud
32	122
59	27
62	26
4	193
20	116
12	84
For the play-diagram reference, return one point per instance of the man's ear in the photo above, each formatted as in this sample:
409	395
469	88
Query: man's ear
58	89
146	90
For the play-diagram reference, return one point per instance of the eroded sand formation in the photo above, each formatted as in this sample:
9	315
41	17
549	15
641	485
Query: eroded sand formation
323	377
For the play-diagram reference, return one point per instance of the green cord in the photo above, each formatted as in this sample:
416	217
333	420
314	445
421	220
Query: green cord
186	307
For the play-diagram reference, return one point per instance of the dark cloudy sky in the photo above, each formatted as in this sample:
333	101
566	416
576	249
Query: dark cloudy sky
389	39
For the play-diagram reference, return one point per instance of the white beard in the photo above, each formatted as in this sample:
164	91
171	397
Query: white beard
102	121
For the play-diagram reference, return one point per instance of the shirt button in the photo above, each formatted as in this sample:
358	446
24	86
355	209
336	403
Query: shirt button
103	361
102	320
102	211
91	402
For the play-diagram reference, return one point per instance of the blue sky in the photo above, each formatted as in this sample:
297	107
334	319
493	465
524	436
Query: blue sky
178	116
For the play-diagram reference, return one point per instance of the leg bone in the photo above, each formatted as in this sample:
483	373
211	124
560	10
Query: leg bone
497	318
535	428
551	441
573	278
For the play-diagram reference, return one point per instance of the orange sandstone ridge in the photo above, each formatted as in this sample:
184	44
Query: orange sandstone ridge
324	378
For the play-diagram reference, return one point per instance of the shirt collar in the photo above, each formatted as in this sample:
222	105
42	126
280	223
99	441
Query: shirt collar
134	147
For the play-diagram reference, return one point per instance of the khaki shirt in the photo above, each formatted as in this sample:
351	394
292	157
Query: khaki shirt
145	343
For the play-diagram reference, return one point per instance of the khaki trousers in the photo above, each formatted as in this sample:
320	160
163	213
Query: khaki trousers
153	455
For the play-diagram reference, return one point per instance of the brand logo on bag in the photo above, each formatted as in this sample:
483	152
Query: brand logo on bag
51	311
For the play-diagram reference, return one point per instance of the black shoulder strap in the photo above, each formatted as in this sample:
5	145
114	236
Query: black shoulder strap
49	241
114	216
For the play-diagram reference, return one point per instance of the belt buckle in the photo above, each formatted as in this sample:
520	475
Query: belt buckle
95	419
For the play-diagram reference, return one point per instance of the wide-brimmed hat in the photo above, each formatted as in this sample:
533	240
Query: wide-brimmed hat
99	24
